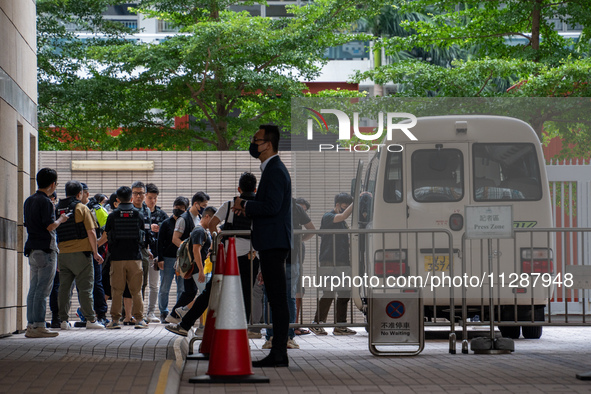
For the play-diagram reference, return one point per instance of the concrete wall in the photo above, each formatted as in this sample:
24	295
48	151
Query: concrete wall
18	152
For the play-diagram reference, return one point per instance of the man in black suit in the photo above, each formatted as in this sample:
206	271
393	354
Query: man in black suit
271	234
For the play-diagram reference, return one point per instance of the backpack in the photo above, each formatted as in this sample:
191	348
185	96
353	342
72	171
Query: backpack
184	259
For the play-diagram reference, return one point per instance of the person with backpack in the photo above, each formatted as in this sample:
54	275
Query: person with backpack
197	247
182	230
125	230
167	251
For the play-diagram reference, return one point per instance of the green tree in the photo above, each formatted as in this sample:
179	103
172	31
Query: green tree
227	70
506	29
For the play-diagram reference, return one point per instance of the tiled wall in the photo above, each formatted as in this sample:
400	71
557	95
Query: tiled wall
18	147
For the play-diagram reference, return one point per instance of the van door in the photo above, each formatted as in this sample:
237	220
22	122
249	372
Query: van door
437	187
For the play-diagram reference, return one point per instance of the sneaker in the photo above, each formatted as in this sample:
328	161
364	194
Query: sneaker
199	332
152	318
268	343
176	329
343	331
291	344
142	324
181	312
94	325
114	325
254	335
39	332
103	320
80	324
55	321
80	315
65	325
163	317
318	330
172	319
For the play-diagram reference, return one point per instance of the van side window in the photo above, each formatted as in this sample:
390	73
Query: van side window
393	178
506	172
437	175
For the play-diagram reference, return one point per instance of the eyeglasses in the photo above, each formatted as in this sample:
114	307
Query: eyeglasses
254	139
56	184
138	193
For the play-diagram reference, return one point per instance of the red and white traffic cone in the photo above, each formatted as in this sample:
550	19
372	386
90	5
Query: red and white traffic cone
216	287
229	361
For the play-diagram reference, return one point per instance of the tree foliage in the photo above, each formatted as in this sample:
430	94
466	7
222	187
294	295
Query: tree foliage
227	71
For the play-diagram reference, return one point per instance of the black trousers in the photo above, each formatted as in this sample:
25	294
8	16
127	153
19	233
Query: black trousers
200	305
186	296
273	270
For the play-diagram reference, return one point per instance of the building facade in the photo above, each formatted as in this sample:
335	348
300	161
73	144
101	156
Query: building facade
18	153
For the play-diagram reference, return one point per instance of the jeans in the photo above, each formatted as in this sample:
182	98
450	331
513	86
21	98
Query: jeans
247	280
43	266
166	276
153	279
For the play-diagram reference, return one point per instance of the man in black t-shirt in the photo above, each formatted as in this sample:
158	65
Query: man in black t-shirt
41	249
201	240
335	260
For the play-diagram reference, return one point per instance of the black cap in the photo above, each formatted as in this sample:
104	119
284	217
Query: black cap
84	186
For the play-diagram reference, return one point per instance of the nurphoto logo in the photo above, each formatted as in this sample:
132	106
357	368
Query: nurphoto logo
344	127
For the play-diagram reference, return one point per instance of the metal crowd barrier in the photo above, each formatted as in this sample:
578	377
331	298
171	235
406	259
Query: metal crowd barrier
424	250
548	281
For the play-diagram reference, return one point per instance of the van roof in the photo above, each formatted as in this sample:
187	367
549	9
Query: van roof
478	128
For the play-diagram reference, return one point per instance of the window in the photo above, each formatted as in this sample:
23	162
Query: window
437	175
393	178
506	172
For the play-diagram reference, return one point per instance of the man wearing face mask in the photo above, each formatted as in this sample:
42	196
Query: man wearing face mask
182	230
167	256
271	234
335	260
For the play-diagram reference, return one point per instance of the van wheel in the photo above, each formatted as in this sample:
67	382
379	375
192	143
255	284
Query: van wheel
510	331
532	332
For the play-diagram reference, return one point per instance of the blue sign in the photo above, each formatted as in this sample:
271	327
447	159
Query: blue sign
395	309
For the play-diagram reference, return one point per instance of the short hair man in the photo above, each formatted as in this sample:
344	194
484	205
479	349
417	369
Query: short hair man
182	230
335	263
271	234
125	231
78	245
157	217
138	192
201	240
167	257
41	249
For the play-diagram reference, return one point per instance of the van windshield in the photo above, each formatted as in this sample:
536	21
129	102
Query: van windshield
437	175
506	172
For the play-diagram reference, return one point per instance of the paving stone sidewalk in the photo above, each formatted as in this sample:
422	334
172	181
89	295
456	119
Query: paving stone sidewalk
85	361
343	365
131	361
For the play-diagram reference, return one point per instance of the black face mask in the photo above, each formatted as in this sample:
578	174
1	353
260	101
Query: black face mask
177	212
201	211
254	150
